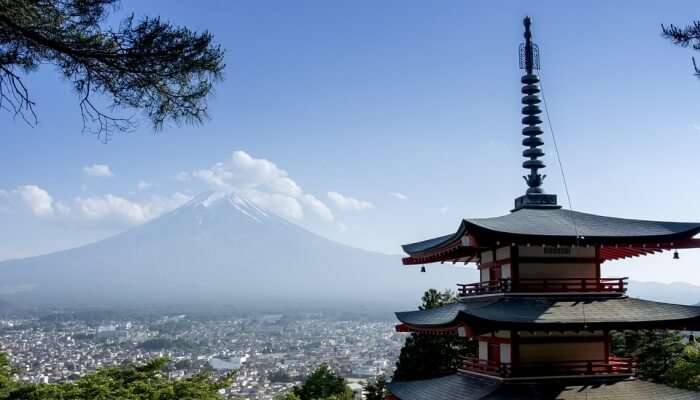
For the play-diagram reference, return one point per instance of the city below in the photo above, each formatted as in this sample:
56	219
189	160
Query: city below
271	352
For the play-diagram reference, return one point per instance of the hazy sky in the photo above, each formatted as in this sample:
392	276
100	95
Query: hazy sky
380	123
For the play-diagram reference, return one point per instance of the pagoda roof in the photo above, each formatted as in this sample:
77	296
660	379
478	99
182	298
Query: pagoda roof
549	226
554	312
467	387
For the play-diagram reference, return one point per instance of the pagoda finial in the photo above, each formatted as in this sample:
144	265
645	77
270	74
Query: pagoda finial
529	52
529	61
535	196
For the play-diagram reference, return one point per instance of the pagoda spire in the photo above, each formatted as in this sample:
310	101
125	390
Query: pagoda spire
535	196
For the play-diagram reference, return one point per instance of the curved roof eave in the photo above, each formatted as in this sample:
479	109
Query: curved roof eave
435	243
564	224
553	312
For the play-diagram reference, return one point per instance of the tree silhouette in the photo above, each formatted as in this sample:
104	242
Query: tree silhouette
165	71
426	356
323	384
376	390
684	37
434	299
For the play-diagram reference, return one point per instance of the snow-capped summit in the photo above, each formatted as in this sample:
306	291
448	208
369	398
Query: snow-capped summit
242	204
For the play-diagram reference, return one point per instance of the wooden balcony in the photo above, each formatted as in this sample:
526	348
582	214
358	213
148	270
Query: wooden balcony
612	366
486	287
574	285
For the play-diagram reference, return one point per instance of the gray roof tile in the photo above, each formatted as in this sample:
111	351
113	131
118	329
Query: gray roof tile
561	223
466	387
552	310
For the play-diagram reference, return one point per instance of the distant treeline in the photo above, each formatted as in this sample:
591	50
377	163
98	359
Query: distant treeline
160	343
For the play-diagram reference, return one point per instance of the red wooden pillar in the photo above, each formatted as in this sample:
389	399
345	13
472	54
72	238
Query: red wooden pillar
514	269
514	350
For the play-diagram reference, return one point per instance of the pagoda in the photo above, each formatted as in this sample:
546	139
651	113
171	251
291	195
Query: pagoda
542	312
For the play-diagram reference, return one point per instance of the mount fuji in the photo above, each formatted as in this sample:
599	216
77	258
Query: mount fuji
219	249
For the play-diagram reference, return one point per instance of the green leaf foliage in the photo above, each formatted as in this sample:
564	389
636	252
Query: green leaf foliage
662	356
376	390
137	382
164	71
287	396
685	372
655	351
7	384
432	298
323	384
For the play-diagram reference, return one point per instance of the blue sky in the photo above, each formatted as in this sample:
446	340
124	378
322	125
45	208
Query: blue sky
369	99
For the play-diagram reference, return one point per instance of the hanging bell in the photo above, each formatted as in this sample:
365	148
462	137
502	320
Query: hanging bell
422	269
675	255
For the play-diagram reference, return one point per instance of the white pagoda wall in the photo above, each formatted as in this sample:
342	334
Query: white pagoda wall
485	275
505	352
505	271
483	350
505	349
501	253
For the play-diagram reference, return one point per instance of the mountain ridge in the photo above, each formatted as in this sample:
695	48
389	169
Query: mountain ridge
216	248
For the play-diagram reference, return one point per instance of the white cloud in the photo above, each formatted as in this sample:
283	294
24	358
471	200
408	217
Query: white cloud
114	211
398	195
143	185
97	170
264	183
103	211
346	203
31	198
256	179
342	227
37	199
110	207
318	207
242	171
287	207
443	210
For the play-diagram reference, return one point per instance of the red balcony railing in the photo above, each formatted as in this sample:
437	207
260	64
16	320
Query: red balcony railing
612	366
486	287
485	367
618	285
